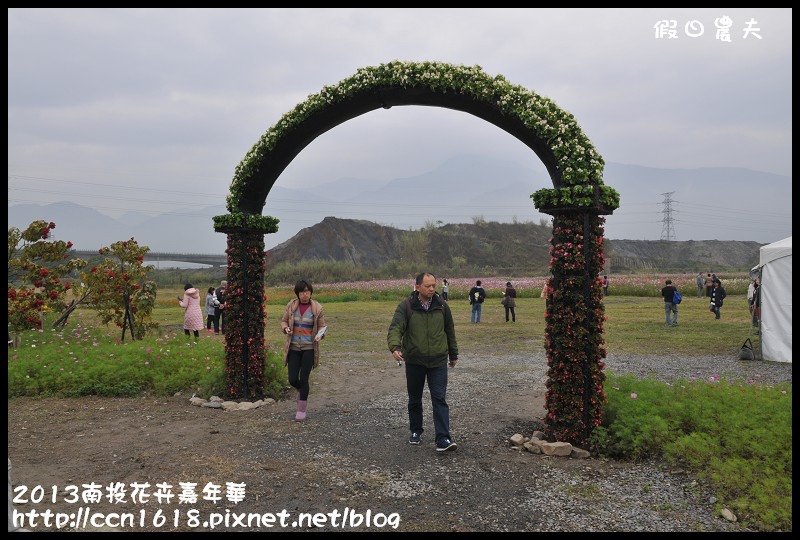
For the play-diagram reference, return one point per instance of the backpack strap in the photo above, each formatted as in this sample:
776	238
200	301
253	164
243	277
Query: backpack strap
408	309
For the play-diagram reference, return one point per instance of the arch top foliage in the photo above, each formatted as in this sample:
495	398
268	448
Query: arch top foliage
575	167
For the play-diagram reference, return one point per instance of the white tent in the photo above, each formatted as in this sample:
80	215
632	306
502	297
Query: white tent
775	263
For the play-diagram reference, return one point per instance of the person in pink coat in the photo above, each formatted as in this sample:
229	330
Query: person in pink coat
192	313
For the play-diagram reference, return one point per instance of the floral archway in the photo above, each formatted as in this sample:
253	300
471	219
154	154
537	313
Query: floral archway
577	202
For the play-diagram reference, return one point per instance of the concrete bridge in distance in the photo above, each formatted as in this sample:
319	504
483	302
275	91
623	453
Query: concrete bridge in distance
215	261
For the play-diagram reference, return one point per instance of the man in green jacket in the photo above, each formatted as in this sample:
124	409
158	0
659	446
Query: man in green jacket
422	335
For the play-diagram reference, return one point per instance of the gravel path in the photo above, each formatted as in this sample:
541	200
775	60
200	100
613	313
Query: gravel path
486	485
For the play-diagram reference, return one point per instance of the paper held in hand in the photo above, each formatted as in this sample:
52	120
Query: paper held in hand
322	332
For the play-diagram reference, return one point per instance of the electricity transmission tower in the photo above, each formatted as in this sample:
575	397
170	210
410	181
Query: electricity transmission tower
667	228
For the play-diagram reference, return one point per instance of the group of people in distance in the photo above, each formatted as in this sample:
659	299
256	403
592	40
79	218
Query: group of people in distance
711	286
477	295
193	313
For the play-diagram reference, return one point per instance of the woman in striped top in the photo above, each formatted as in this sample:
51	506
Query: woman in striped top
303	322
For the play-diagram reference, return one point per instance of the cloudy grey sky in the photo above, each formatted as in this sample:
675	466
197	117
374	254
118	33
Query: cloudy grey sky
152	109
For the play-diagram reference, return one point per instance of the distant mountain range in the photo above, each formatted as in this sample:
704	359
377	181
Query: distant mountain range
706	204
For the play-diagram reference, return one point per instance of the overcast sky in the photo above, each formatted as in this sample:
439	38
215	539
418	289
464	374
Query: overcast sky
152	109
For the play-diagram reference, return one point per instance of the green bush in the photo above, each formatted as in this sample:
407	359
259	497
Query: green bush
732	434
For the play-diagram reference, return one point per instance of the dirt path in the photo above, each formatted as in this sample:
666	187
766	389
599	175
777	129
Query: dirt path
350	453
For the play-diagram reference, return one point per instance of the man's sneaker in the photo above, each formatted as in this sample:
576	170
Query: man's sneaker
414	438
446	445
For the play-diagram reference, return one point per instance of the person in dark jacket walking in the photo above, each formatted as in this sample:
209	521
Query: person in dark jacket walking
219	311
477	295
510	302
422	336
668	293
755	303
717	296
709	285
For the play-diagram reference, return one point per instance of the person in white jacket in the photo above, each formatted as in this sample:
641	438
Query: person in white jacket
211	310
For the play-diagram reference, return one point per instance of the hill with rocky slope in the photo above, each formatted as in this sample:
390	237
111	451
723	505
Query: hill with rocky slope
497	248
